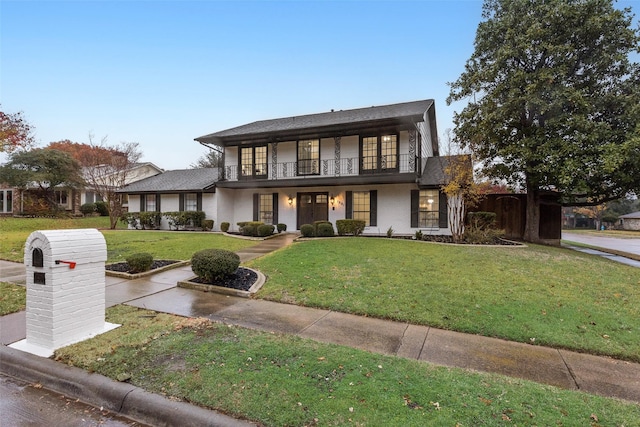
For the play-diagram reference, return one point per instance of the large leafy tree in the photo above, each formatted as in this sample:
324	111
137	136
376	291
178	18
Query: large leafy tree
15	132
105	168
42	170
554	100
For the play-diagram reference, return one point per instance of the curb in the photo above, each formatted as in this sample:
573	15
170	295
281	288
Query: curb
102	392
188	284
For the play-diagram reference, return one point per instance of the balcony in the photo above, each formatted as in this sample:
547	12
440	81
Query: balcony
307	173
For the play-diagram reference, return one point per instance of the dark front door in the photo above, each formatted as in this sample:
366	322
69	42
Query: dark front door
312	207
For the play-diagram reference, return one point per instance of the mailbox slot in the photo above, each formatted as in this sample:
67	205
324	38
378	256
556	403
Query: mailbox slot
39	278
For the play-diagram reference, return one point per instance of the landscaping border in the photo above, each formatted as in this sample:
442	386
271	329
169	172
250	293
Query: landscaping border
188	284
146	273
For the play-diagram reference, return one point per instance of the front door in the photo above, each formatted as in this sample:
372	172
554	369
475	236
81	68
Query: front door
312	207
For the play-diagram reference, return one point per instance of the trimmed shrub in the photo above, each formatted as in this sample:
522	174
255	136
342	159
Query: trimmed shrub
207	224
139	262
102	208
325	229
265	230
250	228
214	264
182	219
307	230
282	227
88	208
132	219
224	226
316	224
150	220
350	226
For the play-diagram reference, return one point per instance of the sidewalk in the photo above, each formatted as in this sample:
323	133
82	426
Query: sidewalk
565	369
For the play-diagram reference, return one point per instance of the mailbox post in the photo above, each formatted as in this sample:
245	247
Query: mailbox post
65	289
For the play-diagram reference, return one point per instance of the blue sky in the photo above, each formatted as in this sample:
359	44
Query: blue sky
162	73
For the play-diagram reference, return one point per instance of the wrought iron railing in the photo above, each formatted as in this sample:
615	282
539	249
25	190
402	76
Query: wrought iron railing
308	169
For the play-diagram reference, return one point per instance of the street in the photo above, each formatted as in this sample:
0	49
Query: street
630	245
23	404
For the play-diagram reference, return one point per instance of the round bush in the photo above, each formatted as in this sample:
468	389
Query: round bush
139	262
207	224
214	264
282	227
325	230
307	230
249	230
265	230
224	226
88	208
102	208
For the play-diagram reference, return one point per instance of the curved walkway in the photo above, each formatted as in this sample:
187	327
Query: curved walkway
566	369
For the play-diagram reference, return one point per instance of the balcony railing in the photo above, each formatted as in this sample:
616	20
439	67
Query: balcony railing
309	169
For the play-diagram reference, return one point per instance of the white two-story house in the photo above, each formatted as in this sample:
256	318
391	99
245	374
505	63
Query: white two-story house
379	164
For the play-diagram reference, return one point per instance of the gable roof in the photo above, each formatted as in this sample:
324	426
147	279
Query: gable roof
319	124
434	170
176	181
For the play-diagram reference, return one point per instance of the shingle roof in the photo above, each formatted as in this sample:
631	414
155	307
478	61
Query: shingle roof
632	215
434	173
412	111
175	180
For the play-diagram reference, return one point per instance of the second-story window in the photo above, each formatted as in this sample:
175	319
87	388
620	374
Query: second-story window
309	157
253	162
379	153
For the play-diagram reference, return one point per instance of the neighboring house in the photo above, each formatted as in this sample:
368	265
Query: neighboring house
378	164
630	221
175	190
16	201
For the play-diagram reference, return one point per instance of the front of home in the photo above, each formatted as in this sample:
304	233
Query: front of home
377	164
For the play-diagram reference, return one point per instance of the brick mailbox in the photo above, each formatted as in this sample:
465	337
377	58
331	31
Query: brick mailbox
65	289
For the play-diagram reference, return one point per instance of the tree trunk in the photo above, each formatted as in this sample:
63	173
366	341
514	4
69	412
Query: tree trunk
456	210
532	222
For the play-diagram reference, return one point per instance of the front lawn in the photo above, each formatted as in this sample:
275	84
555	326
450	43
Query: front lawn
283	380
120	243
541	295
12	298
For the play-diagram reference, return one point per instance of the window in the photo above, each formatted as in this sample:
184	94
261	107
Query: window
89	197
191	202
362	205
265	208
6	201
150	203
428	213
62	198
379	153
309	157
253	162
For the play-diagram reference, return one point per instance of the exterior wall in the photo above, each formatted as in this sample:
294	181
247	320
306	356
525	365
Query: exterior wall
394	207
631	224
168	203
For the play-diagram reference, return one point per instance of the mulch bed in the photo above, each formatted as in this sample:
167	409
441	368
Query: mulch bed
123	267
241	280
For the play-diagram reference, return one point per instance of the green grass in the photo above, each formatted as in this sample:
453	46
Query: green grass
546	295
120	243
281	380
12	298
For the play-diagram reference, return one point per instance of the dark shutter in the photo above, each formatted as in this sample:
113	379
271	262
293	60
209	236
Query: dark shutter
373	208
415	207
349	204
143	199
274	221
256	206
199	201
158	202
181	202
442	214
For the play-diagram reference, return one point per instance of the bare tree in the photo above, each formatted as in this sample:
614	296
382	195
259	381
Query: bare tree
211	159
109	168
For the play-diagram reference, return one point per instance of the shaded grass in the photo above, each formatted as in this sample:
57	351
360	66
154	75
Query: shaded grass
120	243
281	380
13	298
543	295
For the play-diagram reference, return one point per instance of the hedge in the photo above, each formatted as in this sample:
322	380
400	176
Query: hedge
350	226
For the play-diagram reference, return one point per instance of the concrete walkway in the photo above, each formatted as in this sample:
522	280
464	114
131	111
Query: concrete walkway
565	369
